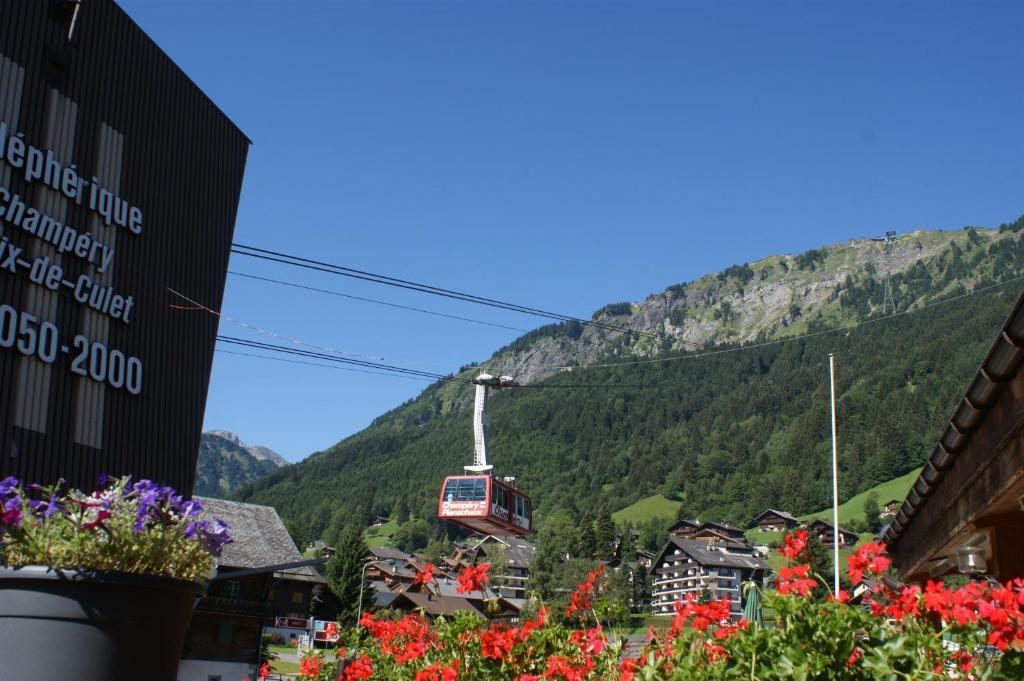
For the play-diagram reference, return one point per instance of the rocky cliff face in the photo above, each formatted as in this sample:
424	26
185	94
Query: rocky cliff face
258	451
771	298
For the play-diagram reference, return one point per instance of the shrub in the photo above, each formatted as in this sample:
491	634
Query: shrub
973	632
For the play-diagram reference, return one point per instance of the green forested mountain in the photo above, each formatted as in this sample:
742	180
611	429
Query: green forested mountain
225	464
726	428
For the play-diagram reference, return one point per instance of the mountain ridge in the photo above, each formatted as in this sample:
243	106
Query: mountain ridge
225	463
258	451
720	422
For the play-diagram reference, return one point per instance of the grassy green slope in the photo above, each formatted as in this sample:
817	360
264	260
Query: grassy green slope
854	508
381	535
654	506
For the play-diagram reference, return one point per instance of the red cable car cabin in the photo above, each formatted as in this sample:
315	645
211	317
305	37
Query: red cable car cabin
485	504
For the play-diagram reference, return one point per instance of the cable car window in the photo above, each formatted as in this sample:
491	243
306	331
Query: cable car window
501	497
471	489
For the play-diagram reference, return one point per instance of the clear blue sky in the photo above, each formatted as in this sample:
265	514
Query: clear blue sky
570	154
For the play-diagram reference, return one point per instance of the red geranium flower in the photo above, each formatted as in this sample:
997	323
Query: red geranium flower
795	544
582	598
473	578
867	558
496	642
358	669
795	580
310	667
426	575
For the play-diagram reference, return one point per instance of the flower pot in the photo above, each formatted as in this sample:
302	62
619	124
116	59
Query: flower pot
57	625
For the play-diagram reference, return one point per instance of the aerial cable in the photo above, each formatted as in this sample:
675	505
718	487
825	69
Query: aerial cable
377	302
297	261
321	356
323	366
262	331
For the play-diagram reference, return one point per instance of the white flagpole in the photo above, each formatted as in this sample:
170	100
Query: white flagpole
835	476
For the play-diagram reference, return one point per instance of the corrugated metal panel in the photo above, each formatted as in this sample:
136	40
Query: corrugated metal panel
120	109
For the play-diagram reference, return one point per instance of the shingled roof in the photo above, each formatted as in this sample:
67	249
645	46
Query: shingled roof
708	554
260	539
781	514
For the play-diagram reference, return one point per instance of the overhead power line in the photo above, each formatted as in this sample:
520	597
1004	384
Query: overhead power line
320	266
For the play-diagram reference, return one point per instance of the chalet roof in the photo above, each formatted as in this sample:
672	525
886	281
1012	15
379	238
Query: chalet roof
684	522
993	488
434	605
781	514
388	553
519	551
260	539
712	532
449	588
723	526
384	599
394	570
819	523
704	555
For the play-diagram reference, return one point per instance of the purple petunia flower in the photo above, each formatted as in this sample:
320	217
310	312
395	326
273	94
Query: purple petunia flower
213	534
191	508
11	512
52	506
8	486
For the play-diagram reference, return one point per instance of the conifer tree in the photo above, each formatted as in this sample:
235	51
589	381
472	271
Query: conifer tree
345	577
872	513
586	539
604	533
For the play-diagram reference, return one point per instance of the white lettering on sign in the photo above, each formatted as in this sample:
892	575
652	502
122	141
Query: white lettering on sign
464	508
42	165
28	335
23	332
65	238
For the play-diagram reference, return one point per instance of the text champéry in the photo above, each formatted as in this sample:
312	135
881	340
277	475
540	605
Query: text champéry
42	164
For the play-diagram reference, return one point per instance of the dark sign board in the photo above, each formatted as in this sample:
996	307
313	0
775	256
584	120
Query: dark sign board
119	187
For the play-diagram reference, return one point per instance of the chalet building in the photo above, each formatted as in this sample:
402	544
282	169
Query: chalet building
771	520
890	509
827	535
645	559
965	512
391	567
224	637
713	568
707	528
513	553
442	597
319	548
693	529
683	528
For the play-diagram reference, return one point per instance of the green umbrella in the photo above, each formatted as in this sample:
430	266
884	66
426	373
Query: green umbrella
752	606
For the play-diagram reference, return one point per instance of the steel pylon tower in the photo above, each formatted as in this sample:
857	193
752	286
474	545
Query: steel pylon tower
887	300
484	382
888	303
